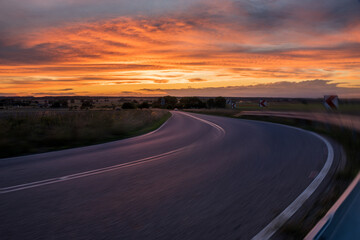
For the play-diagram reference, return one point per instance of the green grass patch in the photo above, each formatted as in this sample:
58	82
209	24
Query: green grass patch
28	132
350	108
344	108
284	106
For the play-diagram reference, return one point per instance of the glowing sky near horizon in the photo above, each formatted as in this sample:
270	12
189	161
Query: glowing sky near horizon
180	47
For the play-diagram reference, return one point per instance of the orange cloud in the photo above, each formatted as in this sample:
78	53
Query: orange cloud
196	80
131	53
312	89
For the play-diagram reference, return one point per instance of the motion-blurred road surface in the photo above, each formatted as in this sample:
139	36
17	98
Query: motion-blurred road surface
195	178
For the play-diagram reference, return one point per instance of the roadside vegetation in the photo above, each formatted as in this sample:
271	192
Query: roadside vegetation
346	106
27	132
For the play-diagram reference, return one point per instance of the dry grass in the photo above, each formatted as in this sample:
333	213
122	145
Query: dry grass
28	132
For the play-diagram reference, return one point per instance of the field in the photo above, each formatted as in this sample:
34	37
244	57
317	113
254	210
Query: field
350	108
344	108
26	132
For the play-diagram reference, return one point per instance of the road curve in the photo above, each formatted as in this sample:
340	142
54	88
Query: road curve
197	177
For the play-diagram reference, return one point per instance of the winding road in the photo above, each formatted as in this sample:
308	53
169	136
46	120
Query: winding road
196	177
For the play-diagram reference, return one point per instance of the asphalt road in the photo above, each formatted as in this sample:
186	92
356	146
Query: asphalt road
190	179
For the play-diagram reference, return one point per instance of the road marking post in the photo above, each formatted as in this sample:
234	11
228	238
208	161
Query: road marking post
263	103
331	102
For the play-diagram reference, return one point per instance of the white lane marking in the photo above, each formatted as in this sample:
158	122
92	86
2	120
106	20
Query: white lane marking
95	145
105	169
222	131
87	173
280	220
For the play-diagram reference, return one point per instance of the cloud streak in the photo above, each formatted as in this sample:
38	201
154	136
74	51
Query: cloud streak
134	44
304	89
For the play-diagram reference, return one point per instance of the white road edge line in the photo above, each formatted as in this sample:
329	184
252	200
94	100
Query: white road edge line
87	173
96	145
280	220
207	122
105	169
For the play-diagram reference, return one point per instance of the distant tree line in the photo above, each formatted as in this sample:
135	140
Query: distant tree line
169	102
58	104
135	104
166	102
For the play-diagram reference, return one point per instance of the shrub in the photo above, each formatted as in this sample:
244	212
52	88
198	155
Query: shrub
144	105
86	104
220	102
128	105
41	131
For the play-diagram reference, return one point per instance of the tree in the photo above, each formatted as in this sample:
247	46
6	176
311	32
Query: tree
128	105
55	104
86	104
167	102
59	104
220	102
144	105
192	102
210	103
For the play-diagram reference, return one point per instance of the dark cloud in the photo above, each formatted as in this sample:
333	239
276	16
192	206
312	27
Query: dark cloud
47	53
347	49
7	94
320	15
10	54
307	89
34	14
53	94
259	15
64	89
152	90
275	21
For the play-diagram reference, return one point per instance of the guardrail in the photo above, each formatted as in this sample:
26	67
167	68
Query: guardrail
342	221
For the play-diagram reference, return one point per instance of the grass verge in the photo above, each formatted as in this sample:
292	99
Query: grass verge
349	139
42	131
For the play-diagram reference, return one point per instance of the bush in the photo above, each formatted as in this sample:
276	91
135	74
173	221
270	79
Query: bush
192	102
59	104
167	102
220	102
86	104
144	105
128	105
210	103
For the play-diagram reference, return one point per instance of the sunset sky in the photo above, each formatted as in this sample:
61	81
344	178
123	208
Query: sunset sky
285	48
